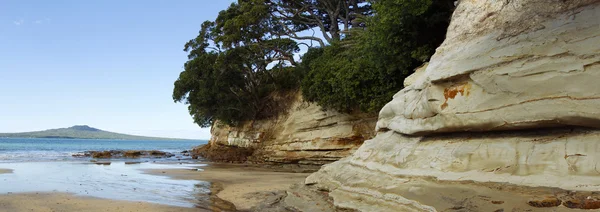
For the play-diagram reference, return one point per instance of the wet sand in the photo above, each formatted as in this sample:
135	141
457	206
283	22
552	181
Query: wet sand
243	185
117	181
46	202
231	186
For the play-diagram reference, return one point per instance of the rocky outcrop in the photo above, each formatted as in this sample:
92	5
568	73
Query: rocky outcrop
304	134
504	118
222	153
125	154
501	58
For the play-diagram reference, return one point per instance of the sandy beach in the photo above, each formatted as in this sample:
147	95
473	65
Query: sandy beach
233	187
46	202
76	186
243	185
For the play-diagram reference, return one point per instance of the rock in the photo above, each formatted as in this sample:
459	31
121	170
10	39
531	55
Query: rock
104	163
304	134
488	73
583	204
124	154
222	153
545	202
505	111
103	154
307	198
132	162
132	154
158	153
416	76
582	200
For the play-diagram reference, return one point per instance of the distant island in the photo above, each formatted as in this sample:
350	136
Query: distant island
79	132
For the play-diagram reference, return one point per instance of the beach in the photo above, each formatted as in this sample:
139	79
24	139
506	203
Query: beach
55	175
46	202
148	186
243	185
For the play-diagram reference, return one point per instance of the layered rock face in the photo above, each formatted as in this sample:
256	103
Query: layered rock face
504	118
304	134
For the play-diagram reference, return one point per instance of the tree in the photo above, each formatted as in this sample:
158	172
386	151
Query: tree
364	71
228	72
293	16
366	49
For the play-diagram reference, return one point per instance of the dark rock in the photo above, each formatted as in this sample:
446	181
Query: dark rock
125	154
221	153
582	203
103	154
544	202
103	163
132	154
132	162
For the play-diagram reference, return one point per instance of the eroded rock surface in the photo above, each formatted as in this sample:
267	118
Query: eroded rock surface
305	134
502	59
504	118
464	170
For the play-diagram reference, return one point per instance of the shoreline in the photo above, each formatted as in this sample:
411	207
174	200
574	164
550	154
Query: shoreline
114	181
55	201
243	185
233	187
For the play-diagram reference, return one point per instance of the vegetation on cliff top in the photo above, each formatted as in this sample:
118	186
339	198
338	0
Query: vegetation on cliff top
358	54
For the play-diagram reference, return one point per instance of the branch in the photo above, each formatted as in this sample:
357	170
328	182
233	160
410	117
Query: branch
290	33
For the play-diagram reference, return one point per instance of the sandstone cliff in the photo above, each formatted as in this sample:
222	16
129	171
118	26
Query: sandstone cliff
303	134
504	118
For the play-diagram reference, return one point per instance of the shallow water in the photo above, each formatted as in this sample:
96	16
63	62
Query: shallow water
57	149
115	181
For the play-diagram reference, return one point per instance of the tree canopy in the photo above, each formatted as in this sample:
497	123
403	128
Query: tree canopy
365	50
364	71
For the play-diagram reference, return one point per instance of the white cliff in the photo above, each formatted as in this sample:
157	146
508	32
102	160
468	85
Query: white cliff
502	58
504	118
303	134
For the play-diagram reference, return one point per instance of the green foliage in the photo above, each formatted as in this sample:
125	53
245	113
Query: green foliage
229	71
366	69
341	80
240	62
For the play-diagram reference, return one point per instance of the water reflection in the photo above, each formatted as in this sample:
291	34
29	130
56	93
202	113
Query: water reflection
114	181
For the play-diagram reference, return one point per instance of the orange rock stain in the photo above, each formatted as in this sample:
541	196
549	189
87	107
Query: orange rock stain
451	92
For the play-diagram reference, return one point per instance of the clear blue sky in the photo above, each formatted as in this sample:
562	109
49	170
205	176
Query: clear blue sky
109	64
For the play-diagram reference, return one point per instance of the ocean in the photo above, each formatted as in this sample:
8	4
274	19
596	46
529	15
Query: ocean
46	165
56	149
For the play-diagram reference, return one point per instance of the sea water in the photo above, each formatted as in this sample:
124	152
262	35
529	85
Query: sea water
55	149
46	165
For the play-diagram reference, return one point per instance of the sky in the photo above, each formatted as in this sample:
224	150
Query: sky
108	64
